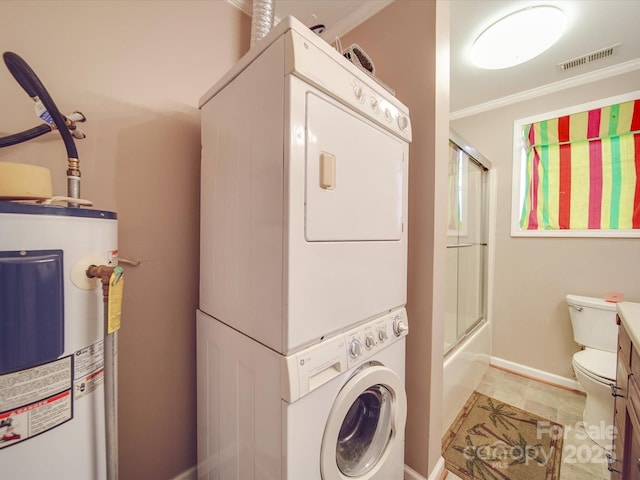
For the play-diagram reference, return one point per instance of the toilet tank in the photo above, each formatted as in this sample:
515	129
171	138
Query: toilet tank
594	322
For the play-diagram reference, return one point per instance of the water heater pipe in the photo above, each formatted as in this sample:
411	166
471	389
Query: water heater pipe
31	84
104	273
261	19
30	134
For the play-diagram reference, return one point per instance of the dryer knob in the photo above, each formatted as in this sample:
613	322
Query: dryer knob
399	327
355	348
403	122
359	93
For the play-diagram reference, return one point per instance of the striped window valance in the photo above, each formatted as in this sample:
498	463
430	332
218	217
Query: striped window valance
583	171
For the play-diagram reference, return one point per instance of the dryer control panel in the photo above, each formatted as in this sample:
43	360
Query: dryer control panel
314	366
318	63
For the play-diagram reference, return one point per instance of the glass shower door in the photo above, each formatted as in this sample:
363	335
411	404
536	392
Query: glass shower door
466	246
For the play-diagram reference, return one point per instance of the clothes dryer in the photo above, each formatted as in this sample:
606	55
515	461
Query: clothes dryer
333	411
303	195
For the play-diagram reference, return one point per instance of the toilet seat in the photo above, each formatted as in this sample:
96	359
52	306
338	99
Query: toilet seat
596	364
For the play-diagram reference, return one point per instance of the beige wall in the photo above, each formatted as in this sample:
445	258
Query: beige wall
533	275
402	40
136	70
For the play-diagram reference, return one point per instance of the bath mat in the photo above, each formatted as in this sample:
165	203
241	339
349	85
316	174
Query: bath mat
491	440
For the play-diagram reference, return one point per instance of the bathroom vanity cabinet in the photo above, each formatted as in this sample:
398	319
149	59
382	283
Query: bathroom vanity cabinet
624	461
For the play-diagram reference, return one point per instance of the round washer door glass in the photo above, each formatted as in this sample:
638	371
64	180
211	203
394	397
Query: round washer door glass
365	431
364	435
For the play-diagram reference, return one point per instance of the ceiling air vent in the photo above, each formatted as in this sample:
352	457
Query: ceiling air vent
589	58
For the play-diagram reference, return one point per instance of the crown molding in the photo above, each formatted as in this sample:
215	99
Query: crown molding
354	18
350	21
245	5
572	82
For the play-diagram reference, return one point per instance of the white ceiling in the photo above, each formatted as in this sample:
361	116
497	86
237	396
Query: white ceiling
592	25
338	16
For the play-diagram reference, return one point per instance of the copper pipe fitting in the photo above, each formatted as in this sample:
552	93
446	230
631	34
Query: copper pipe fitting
104	273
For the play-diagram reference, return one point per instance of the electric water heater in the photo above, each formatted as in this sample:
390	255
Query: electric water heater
52	421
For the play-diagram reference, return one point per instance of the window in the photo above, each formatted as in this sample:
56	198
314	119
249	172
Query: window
577	172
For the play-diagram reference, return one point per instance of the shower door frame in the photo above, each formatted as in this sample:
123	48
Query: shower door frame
486	237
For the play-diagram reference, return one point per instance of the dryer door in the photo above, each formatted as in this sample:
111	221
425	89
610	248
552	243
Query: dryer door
364	435
354	176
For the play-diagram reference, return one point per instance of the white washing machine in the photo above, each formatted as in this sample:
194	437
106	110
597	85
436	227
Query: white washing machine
334	411
303	195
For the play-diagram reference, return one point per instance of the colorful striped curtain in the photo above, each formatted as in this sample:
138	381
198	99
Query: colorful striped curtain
583	171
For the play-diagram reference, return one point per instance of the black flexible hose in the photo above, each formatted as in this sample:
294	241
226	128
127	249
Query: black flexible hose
30	134
30	82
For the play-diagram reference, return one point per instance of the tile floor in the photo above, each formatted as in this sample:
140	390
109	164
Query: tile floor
582	458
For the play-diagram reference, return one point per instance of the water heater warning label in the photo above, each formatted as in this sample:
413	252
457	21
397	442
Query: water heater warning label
35	400
89	369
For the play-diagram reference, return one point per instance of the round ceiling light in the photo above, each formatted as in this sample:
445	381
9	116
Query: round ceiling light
518	37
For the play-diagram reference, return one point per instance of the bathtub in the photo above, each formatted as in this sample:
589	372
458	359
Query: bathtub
464	366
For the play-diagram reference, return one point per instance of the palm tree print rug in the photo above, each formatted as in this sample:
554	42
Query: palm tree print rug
491	440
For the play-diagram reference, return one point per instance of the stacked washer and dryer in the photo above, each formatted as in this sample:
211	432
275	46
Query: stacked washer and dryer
302	323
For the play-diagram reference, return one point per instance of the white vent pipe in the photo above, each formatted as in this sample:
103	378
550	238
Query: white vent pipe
261	19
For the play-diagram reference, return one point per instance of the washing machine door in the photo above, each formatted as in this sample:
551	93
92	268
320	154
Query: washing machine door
364	435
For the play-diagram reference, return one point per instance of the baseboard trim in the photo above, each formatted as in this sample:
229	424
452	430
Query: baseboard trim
436	474
190	474
409	473
536	374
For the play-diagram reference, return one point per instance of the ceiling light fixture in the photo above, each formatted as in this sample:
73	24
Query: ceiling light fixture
518	37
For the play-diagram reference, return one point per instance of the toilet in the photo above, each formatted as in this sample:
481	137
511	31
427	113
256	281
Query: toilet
595	329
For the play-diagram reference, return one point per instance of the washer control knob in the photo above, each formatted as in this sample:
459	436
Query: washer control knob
355	348
375	105
382	335
388	114
399	327
369	342
358	92
403	122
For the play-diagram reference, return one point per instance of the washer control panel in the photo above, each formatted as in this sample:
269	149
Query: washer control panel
314	366
365	340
